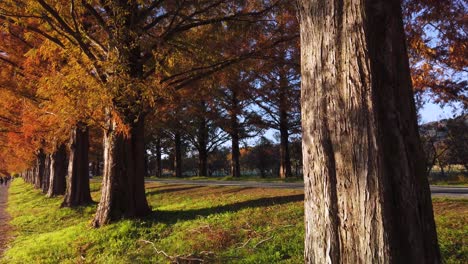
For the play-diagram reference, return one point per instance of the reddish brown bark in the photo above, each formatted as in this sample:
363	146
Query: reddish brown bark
123	184
367	198
78	191
58	172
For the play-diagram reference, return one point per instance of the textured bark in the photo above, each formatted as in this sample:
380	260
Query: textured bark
367	198
29	176
77	192
234	132
123	184
39	169
58	172
46	175
178	155
285	159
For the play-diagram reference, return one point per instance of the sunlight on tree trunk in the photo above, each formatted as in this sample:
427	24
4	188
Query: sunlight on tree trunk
58	172
367	198
123	183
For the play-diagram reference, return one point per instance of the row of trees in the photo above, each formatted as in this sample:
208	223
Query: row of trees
446	143
143	73
262	159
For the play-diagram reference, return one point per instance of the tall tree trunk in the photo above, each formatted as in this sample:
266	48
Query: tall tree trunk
285	158
235	161
367	199
178	155
77	192
202	162
39	169
234	131
123	184
46	175
58	172
202	141
158	158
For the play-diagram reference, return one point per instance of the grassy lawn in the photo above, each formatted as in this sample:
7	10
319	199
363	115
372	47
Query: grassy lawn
216	224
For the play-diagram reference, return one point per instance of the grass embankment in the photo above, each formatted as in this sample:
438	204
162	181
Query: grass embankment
217	224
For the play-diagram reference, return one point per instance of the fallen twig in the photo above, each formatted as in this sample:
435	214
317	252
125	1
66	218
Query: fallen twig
262	241
159	252
245	244
178	258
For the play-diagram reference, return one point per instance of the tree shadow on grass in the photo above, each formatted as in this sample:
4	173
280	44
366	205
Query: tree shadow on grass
170	217
172	190
159	185
237	190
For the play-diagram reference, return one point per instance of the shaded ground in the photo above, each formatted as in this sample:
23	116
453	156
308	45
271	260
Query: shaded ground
4	218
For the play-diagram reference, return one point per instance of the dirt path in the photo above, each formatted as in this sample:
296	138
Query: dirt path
4	219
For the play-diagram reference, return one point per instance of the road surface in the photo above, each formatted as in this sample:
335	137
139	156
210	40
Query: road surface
437	191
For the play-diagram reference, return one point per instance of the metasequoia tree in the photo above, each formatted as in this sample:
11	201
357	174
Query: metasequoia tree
18	105
58	171
72	97
128	46
202	131
234	114
58	92
367	198
277	97
278	84
437	35
77	191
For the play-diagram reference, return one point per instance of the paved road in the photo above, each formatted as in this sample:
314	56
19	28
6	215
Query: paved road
437	191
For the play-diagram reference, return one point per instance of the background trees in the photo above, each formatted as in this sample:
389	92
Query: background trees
437	36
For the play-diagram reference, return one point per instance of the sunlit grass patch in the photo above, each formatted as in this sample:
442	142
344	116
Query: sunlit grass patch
216	224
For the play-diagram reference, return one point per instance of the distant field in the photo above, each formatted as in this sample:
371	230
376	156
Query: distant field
190	223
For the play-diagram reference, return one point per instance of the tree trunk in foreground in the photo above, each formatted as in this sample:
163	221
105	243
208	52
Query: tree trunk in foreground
123	183
58	172
367	199
77	191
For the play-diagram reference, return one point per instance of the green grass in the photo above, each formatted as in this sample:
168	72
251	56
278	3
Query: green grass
217	224
451	217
